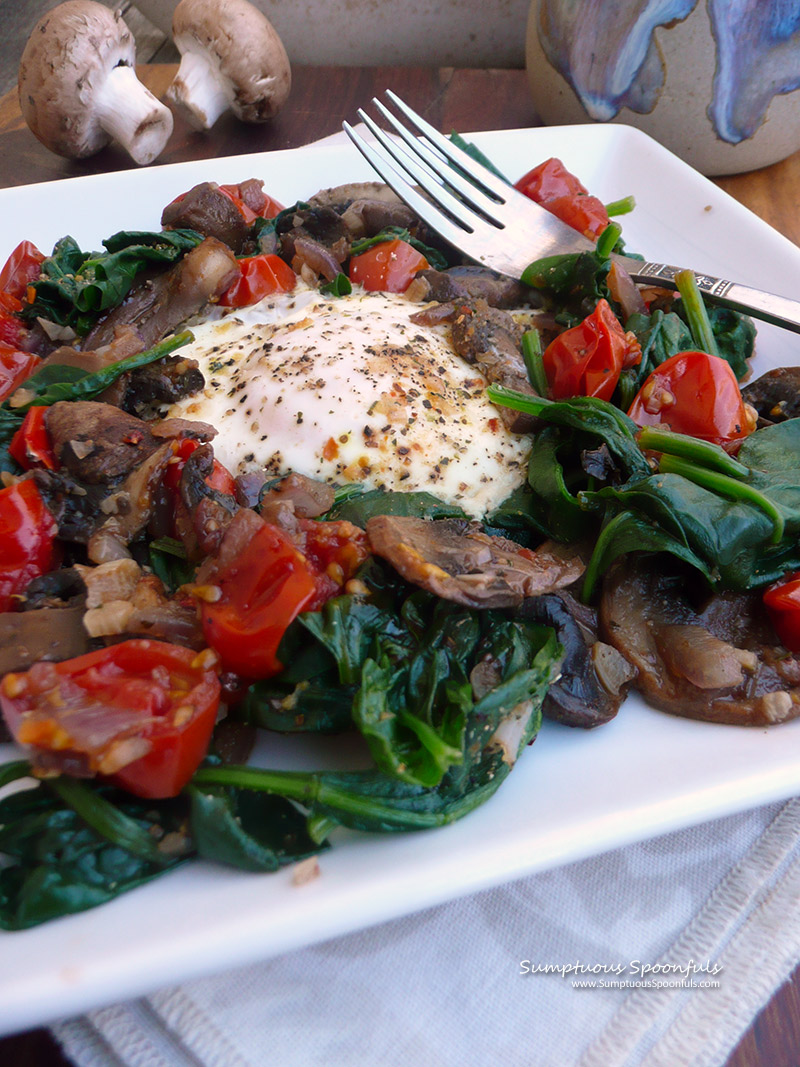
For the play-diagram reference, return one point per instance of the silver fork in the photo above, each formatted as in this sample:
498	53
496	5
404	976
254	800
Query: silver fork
496	225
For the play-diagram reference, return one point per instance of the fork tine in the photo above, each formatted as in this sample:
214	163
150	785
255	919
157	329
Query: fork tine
443	171
458	211
499	189
451	231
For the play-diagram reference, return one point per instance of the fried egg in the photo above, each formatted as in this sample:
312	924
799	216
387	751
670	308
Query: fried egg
350	390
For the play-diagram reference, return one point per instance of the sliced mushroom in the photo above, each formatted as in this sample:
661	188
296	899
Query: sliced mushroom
231	57
594	676
457	561
206	209
775	395
78	88
489	337
129	508
719	660
159	305
98	443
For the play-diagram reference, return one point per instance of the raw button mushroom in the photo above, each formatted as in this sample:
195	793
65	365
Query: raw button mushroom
231	57
78	88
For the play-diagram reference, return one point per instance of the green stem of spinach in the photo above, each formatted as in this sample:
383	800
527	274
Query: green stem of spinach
607	239
725	486
621	207
106	819
320	827
696	313
592	573
532	354
704	453
91	384
310	788
589	406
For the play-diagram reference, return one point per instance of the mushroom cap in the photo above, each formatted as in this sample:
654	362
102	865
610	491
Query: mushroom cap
244	48
66	57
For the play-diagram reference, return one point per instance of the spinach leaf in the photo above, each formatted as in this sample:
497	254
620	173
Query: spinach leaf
58	864
75	288
359	508
340	286
374	801
251	831
573	281
54	383
475	153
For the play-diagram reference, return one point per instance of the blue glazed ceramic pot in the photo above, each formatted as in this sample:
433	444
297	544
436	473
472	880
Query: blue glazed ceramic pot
716	81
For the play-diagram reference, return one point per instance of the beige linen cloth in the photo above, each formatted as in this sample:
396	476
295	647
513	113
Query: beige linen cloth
493	978
685	938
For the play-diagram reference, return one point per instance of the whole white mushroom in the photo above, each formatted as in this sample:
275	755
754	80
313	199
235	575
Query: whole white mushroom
231	58
78	88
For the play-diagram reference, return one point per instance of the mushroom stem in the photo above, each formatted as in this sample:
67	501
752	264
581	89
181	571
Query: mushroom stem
129	113
199	90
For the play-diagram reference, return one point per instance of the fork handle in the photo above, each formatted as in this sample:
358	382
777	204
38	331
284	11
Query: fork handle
779	310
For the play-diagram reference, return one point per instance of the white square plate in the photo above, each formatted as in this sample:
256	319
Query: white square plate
573	794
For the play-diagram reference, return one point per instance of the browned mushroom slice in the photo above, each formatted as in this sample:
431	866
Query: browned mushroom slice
206	209
457	561
490	338
129	508
160	304
719	661
97	442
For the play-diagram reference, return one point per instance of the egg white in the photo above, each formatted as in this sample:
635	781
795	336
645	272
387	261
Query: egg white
350	390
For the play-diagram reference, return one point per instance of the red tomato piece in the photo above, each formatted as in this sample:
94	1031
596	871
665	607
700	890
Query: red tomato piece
256	207
586	214
139	713
587	360
263	590
334	551
555	188
549	180
220	478
27	540
782	601
696	394
261	276
21	268
387	267
30	446
15	367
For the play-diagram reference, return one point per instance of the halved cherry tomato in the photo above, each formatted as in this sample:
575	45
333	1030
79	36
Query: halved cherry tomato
27	540
555	188
263	207
31	446
334	551
697	394
261	276
263	590
12	328
15	367
220	478
21	268
387	267
139	713
782	601
588	359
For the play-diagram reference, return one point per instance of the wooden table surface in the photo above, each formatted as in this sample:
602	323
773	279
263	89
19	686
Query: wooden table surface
466	100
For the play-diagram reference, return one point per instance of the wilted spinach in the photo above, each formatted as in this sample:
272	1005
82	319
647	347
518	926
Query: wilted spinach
75	288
